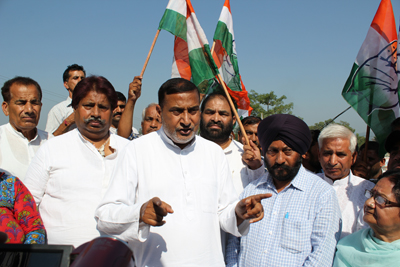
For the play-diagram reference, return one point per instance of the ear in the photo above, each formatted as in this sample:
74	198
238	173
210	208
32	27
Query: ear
382	162
306	155
233	119
66	85
4	106
158	109
354	157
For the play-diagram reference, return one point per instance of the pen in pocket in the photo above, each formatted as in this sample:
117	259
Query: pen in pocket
287	215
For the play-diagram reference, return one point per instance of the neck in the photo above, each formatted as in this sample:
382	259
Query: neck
387	237
70	94
114	124
280	185
224	144
337	179
98	142
30	134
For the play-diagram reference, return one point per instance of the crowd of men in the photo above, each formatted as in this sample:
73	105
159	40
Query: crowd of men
185	192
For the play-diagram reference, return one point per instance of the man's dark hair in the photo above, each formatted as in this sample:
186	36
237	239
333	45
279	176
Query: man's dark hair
214	95
314	137
250	120
94	83
395	125
72	68
394	177
175	86
372	145
121	96
5	90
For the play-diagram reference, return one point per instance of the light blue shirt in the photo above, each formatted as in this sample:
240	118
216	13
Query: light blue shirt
301	225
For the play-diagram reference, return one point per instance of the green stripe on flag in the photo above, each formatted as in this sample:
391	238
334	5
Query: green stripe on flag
222	33
174	23
201	67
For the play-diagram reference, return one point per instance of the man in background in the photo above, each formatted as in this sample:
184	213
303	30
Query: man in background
250	125
151	119
61	118
117	113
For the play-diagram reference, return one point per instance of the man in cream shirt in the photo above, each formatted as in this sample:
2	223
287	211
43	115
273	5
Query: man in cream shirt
20	138
337	153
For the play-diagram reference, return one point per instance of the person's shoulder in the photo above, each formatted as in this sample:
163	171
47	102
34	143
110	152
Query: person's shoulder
236	145
361	182
210	144
59	106
120	140
42	134
314	182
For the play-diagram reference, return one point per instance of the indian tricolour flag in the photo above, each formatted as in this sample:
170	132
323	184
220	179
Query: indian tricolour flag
372	87
192	56
225	57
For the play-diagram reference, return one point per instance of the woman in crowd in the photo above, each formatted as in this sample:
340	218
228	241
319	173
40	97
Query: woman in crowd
380	244
19	217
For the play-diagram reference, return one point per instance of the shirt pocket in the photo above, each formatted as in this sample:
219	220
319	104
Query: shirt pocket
296	235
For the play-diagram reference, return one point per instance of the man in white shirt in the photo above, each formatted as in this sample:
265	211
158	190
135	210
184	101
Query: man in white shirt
116	117
19	138
337	153
61	118
70	173
216	125
186	171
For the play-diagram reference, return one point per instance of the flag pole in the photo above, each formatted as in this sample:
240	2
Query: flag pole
366	144
151	50
212	48
221	81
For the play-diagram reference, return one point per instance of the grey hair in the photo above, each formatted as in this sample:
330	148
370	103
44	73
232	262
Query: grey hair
145	109
334	130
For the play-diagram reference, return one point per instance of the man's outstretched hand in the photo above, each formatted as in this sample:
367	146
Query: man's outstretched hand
153	211
250	208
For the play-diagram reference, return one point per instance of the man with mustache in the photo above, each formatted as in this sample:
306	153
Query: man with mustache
173	171
216	125
20	138
301	225
250	125
117	114
70	173
337	153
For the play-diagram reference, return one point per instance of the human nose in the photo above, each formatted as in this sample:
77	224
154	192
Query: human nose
280	157
370	202
28	108
95	111
185	118
333	160
154	123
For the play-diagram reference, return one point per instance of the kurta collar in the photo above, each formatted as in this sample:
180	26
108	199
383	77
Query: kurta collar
112	143
19	134
343	181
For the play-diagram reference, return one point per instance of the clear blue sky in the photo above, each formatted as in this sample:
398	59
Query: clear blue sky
302	49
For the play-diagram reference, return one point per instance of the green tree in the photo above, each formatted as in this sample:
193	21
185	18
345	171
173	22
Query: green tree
320	125
268	104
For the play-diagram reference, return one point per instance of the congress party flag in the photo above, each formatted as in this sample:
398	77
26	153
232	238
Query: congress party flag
192	56
226	59
372	87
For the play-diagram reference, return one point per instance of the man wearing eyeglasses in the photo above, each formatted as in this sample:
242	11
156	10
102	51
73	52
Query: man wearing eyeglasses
337	153
116	117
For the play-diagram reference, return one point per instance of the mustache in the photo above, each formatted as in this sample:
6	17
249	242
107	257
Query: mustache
117	113
283	166
95	119
211	123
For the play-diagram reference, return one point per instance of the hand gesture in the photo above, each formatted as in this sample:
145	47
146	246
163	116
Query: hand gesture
251	155
250	208
153	211
135	89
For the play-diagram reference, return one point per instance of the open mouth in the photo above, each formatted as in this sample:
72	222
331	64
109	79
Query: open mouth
185	131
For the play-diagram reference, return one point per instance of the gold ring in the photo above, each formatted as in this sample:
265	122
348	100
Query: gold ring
371	205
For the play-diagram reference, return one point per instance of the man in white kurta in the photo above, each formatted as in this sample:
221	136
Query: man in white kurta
20	138
70	173
336	154
186	171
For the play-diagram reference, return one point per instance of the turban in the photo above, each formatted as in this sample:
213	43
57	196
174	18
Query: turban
291	130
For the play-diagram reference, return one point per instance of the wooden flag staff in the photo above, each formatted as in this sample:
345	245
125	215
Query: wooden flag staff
148	55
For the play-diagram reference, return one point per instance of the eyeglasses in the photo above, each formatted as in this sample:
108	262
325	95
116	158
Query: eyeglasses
380	199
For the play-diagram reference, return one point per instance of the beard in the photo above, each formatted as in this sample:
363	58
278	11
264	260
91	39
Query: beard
216	135
287	173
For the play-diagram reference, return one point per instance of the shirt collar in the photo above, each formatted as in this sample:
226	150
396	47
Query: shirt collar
112	143
19	134
69	101
299	181
338	182
168	140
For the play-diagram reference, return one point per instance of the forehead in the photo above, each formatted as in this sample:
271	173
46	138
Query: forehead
120	102
151	111
385	186
21	91
251	127
73	73
96	97
336	144
217	102
182	100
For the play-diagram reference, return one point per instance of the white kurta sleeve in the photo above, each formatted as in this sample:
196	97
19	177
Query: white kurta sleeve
118	213
227	202
38	175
